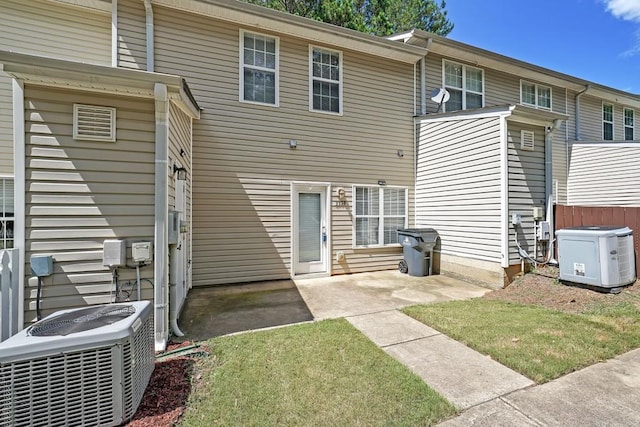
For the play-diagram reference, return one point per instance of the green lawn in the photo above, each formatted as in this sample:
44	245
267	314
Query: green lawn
318	374
540	343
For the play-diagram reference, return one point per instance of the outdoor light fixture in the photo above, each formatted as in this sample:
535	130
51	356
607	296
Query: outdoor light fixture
182	172
382	182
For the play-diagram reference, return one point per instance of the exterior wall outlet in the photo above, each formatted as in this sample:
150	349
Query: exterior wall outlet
544	231
142	252
339	256
516	219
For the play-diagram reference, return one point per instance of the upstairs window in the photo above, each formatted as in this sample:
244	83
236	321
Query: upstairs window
325	87
535	95
379	212
629	127
258	68
6	213
465	85
607	122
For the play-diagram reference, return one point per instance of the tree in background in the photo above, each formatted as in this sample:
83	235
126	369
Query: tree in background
379	17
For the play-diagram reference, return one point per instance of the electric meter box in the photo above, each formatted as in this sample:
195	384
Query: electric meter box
142	252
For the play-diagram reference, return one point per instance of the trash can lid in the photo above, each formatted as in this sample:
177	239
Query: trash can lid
427	235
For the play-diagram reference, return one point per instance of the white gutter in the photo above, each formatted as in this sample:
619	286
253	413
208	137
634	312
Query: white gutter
148	9
160	288
423	87
19	189
114	33
578	96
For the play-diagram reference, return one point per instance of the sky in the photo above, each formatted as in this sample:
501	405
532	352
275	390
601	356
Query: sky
596	40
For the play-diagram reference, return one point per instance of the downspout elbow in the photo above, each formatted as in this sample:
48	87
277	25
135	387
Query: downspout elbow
578	96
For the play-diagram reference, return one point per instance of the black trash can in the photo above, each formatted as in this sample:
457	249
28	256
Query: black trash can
417	248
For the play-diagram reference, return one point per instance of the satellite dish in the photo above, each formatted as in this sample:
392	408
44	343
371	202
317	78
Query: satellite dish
440	96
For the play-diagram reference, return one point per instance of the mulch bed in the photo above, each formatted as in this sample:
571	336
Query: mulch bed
166	396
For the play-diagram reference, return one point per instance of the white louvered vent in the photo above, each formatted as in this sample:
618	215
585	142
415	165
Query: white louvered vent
94	123
527	140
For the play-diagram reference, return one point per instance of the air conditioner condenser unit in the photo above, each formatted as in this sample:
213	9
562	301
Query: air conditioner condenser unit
79	367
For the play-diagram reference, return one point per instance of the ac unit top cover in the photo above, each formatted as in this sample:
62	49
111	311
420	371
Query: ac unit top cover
600	231
52	334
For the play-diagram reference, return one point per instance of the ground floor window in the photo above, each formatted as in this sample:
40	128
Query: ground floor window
379	212
6	213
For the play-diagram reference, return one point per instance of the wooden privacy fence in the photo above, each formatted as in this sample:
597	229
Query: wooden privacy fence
8	293
576	216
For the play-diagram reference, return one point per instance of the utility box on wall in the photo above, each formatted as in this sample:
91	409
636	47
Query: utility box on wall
114	253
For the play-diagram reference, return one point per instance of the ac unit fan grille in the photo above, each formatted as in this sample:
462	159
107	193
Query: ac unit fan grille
81	320
69	389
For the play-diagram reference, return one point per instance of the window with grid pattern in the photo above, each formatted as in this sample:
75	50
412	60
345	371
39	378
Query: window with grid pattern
379	213
629	126
607	122
6	213
259	68
326	80
535	95
465	85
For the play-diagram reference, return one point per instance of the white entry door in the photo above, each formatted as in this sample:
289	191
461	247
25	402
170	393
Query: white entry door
310	229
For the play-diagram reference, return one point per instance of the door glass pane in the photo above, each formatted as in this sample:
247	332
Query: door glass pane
309	227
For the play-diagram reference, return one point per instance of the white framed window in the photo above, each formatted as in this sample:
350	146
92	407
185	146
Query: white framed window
94	123
325	80
535	95
607	122
629	124
259	64
378	213
7	218
465	85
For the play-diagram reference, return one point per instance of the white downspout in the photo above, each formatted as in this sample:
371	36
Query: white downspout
19	189
148	9
160	288
548	182
114	33
504	191
578	96
423	87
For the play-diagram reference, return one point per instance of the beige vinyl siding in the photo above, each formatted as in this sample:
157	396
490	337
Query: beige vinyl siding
243	166
559	167
526	185
458	185
591	119
6	126
180	140
79	193
499	88
604	174
132	38
48	29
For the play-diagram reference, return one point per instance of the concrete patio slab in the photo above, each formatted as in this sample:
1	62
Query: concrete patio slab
364	293
463	376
